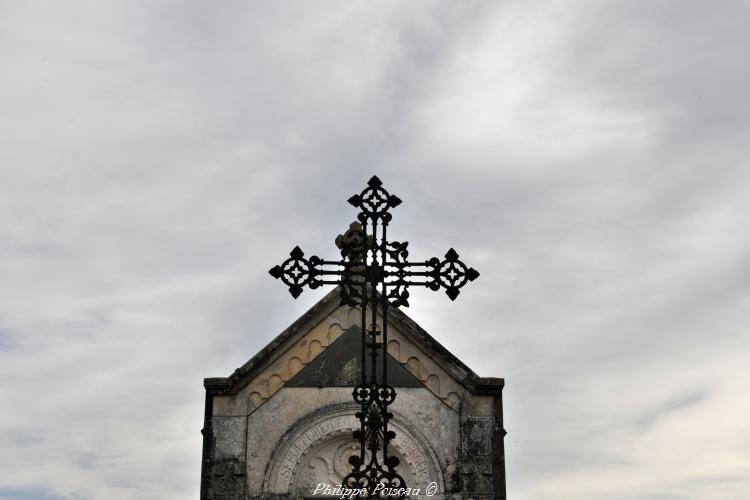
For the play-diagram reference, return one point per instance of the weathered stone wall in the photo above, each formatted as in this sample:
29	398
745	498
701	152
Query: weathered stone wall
439	443
271	432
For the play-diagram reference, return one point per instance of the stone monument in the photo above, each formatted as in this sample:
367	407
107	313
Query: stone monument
281	426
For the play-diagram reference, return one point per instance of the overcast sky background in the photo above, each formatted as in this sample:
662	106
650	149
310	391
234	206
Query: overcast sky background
589	158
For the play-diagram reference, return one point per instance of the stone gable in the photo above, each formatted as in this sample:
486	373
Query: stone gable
282	422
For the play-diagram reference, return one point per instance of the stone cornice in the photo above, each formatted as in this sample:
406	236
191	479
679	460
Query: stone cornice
404	325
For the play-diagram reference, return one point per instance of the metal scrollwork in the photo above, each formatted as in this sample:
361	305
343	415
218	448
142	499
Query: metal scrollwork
296	272
373	274
374	201
453	274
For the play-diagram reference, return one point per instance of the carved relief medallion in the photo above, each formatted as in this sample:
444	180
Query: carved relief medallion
318	448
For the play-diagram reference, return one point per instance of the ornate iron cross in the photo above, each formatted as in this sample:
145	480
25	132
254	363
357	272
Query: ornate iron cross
374	273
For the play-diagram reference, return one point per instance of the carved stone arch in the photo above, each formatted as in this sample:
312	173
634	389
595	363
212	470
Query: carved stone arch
413	365
394	349
317	447
334	332
433	384
313	349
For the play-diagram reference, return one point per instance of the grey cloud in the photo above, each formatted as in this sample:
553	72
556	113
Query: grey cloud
588	159
646	421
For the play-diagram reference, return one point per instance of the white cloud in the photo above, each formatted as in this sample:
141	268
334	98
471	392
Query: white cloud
588	159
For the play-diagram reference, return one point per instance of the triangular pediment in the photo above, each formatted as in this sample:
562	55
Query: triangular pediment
321	349
339	365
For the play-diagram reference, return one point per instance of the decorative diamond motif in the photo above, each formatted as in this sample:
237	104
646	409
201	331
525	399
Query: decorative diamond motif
373	273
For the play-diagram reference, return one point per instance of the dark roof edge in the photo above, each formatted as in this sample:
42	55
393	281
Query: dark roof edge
462	373
485	385
428	340
225	385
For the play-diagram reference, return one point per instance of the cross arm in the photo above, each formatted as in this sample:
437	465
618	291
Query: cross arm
296	272
450	273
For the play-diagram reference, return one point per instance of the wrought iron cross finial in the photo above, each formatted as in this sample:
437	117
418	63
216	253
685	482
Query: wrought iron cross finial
373	272
398	274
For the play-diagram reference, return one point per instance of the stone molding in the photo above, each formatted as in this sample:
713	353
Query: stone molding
463	393
328	313
338	420
309	345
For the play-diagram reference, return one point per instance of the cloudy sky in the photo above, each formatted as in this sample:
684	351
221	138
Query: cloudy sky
589	158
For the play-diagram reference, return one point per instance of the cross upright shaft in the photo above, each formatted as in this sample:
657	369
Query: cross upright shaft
374	273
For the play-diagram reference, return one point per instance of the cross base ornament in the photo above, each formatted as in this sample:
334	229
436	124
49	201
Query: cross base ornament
373	274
